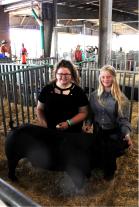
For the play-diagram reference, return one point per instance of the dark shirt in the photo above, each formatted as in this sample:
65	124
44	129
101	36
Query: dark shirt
60	107
107	115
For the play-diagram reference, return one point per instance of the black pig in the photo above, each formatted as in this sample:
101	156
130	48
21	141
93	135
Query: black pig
52	150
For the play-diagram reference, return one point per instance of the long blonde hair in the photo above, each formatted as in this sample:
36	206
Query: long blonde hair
115	89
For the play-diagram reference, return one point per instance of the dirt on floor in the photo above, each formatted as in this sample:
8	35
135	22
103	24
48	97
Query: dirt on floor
49	188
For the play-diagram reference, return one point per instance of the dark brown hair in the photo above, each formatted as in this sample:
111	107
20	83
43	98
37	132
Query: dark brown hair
71	68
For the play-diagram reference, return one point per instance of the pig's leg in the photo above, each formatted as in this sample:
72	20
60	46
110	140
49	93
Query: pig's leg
12	164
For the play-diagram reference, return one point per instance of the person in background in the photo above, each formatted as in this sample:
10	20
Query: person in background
109	113
4	51
62	103
23	54
78	54
90	53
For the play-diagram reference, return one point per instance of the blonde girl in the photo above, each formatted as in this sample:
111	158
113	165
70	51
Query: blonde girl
110	117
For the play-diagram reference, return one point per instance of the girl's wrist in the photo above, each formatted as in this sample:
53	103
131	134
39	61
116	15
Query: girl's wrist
70	123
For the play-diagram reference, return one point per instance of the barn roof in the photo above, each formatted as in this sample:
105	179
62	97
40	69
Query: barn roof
75	13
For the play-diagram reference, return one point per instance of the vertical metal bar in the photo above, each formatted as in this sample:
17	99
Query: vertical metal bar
83	77
129	78
90	81
36	85
2	106
132	95
55	29
134	67
105	31
125	61
123	82
21	97
49	73
23	86
4	87
45	74
32	92
27	91
15	96
40	77
96	75
8	94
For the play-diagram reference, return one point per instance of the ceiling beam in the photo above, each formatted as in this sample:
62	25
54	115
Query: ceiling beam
134	25
66	12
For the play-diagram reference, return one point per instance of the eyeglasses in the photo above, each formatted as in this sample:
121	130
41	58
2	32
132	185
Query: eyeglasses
64	74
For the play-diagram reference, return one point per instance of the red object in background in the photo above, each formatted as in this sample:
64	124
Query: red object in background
24	59
24	56
78	55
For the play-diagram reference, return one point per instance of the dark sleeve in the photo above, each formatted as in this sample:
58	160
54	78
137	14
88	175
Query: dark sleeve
123	120
44	92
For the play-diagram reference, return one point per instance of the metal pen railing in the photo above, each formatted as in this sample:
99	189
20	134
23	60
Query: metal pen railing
12	197
20	89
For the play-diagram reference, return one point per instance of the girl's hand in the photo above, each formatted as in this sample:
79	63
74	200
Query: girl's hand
87	128
62	125
129	141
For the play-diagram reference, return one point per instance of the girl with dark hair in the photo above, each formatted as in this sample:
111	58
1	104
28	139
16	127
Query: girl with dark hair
62	103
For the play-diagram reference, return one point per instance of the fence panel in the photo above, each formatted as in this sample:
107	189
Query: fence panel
20	89
19	93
